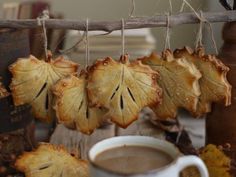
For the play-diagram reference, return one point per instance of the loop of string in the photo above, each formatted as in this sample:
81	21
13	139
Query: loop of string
203	19
167	40
213	38
87	58
185	2
81	39
132	12
171	7
41	22
199	35
123	36
182	7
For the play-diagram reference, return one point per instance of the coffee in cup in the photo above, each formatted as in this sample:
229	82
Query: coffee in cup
139	156
132	159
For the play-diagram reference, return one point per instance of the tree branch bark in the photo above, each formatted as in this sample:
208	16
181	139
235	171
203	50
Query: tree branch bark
131	23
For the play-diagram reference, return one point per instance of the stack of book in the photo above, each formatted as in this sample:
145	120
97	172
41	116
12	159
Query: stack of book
32	10
138	43
10	10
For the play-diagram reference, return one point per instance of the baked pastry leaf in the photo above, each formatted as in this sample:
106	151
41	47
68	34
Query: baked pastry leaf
123	87
213	83
72	107
32	81
51	161
179	82
218	164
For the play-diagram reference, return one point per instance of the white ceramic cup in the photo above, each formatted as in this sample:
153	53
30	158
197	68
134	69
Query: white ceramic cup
172	170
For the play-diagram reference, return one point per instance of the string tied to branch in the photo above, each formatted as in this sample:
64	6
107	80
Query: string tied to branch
87	58
132	12
199	40
123	36
199	34
41	22
167	40
212	37
202	20
170	6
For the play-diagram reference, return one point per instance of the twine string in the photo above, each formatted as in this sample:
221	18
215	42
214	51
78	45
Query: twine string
87	58
132	12
203	19
123	36
191	7
171	7
182	6
81	39
167	40
199	34
41	22
212	37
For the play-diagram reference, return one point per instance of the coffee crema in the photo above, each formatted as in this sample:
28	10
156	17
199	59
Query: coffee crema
132	159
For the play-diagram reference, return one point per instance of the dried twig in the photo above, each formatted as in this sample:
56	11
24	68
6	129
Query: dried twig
131	23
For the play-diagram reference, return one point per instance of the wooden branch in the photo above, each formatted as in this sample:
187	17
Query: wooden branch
131	23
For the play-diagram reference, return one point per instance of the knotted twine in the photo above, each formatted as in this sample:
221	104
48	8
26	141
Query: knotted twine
202	20
41	22
87	57
123	36
167	40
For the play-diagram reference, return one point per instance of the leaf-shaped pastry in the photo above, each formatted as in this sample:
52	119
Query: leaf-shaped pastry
122	87
72	107
213	84
32	81
179	82
51	161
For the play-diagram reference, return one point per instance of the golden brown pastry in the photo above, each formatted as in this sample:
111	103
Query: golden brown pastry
32	81
3	90
179	82
123	87
218	164
213	83
72	107
51	161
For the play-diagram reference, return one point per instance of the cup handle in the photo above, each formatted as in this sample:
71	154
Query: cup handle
192	160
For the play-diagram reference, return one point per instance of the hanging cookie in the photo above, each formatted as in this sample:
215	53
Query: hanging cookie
179	82
123	87
32	81
213	84
51	160
71	104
